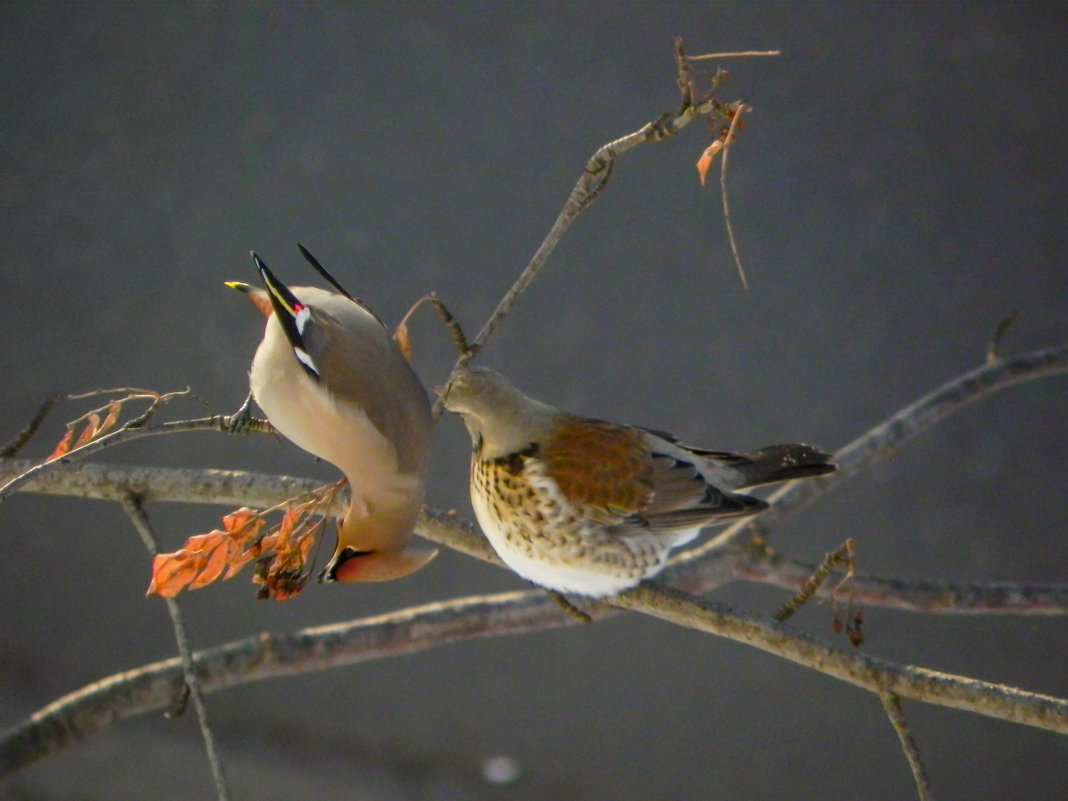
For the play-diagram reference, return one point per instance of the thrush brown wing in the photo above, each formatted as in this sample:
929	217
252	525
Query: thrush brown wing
604	468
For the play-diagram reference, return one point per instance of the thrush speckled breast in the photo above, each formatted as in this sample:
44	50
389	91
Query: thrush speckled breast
591	508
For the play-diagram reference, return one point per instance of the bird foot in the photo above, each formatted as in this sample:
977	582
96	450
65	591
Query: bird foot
241	421
565	604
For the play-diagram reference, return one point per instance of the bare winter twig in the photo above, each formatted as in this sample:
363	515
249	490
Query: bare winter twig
134	509
892	705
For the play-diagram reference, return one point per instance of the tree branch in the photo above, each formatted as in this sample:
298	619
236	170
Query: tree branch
870	673
587	189
892	705
82	713
882	440
153	687
134	509
135	429
233	488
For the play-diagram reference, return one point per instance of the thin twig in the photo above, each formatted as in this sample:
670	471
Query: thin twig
728	141
839	556
587	189
131	504
736	54
881	440
993	350
911	595
135	429
892	705
27	433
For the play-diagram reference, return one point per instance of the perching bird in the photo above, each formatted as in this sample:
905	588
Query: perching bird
591	508
330	378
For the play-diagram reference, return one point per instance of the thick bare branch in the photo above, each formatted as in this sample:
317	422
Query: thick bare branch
233	488
110	482
238	488
868	672
153	687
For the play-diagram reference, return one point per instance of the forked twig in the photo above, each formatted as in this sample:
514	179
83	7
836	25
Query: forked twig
131	504
892	705
842	555
727	142
592	182
400	334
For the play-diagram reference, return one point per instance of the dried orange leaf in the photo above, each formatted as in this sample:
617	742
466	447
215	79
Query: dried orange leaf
281	553
236	557
90	430
214	565
285	528
63	447
171	572
705	162
203	542
404	341
114	410
244	521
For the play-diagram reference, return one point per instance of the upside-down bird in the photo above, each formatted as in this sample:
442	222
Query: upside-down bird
590	508
330	378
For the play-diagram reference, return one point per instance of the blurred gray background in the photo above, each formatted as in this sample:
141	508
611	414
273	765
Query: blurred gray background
900	187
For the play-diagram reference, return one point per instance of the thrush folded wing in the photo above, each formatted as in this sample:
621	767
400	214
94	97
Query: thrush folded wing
604	467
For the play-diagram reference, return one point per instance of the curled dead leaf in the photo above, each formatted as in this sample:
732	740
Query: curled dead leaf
705	162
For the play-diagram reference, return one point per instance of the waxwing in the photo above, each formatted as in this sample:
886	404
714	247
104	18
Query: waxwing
331	379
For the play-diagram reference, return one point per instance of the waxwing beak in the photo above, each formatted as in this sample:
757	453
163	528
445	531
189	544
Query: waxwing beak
257	297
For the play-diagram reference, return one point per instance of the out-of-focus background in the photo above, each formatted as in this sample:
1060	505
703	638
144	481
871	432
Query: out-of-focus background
900	187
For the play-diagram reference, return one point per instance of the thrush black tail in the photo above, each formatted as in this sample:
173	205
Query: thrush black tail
777	463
